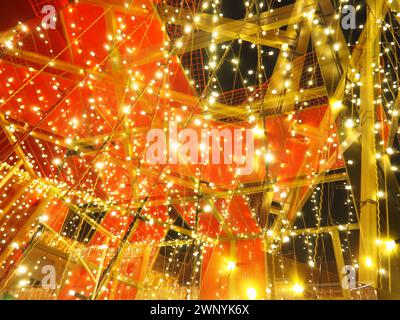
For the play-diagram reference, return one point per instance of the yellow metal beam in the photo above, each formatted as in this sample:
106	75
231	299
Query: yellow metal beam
337	249
368	251
229	29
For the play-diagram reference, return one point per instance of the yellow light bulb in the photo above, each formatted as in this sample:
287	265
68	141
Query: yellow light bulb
57	161
337	105
231	265
390	245
22	270
251	293
99	165
269	157
297	288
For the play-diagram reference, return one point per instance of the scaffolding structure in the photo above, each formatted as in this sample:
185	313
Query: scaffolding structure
85	215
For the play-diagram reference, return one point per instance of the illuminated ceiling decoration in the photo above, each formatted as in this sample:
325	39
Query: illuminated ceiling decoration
79	197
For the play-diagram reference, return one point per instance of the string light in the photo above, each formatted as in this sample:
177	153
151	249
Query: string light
102	131
231	265
297	288
251	293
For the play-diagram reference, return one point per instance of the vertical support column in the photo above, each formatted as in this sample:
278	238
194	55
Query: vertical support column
100	268
145	266
337	249
270	275
368	253
231	275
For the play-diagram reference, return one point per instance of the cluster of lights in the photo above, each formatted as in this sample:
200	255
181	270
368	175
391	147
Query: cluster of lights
107	164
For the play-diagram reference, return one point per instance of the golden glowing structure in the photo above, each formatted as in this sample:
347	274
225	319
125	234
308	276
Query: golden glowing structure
85	215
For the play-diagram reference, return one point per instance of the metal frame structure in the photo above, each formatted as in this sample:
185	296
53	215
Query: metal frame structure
336	67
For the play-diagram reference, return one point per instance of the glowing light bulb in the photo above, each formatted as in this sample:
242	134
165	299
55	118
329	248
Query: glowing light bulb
174	146
390	245
336	46
99	165
337	105
23	283
349	123
269	157
258	131
57	161
297	288
22	270
179	44
231	265
126	109
43	218
368	262
251	293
